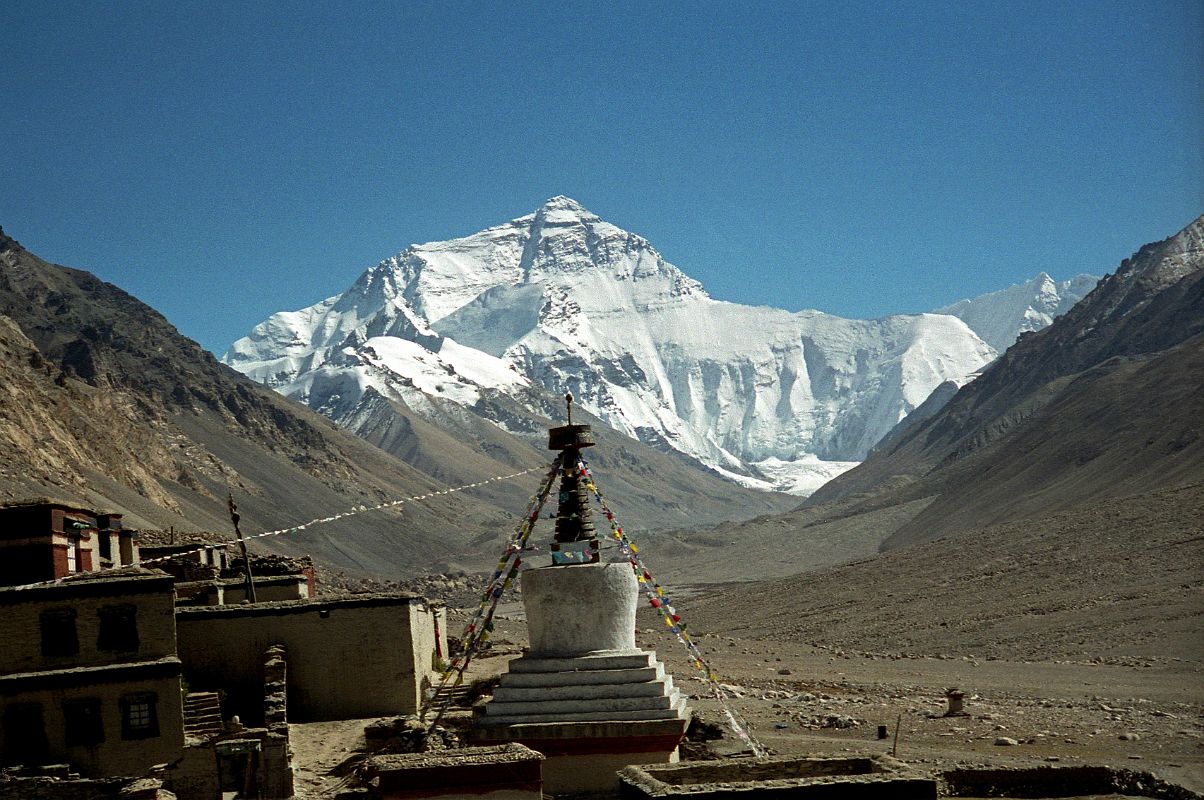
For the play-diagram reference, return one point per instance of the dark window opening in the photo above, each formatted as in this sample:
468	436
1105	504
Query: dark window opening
118	628
59	637
74	525
24	734
83	725
140	716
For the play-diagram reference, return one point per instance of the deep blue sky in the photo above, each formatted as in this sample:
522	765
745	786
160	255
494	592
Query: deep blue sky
222	161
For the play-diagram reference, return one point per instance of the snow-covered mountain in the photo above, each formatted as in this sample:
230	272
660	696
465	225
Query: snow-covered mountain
560	300
1000	317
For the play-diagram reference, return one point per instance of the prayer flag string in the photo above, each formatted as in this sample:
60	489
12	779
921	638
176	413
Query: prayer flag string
362	509
659	599
480	625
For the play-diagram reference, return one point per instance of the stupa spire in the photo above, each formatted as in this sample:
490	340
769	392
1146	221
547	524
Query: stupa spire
575	542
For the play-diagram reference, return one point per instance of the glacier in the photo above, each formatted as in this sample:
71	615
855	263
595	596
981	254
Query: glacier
561	300
1000	317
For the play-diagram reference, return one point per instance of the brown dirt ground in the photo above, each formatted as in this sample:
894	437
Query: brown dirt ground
1066	713
1066	633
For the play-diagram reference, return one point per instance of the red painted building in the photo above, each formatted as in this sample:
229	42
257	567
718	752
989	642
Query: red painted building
46	540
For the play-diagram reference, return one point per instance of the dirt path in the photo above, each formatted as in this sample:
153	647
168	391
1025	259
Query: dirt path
318	748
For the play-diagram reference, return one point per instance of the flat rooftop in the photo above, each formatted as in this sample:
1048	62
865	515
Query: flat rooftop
277	608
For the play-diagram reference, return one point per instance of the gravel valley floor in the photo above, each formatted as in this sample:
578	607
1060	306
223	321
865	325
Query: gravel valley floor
796	697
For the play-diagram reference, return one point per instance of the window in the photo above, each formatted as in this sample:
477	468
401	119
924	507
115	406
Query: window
24	734
58	632
82	722
118	628
139	716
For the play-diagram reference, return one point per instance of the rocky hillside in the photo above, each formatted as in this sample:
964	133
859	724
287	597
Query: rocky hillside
1105	402
1119	580
1052	509
103	402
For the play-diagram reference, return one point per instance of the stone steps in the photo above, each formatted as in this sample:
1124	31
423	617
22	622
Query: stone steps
532	693
452	695
597	660
202	714
580	704
583	677
599	686
675	711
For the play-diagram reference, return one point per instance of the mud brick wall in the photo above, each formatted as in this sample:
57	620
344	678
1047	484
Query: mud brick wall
114	755
355	657
22	610
1054	781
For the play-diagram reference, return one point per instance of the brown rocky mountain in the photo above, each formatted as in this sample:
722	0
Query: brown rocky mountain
103	402
1106	402
1118	579
1053	509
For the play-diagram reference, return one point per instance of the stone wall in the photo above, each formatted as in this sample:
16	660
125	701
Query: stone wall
203	771
115	755
1056	781
75	788
233	591
354	657
500	772
428	632
99	683
275	689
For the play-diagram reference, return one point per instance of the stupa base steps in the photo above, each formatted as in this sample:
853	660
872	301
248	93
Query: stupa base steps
588	691
599	686
589	715
594	660
583	677
677	711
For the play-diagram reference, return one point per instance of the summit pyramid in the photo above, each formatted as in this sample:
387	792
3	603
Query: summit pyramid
560	300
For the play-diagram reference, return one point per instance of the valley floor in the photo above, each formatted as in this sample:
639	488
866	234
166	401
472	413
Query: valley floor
1078	639
1145	718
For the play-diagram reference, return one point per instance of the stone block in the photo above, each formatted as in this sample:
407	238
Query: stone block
858	778
509	771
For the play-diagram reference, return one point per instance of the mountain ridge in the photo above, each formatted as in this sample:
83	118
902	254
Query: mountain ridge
1002	316
1103	401
105	403
570	302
